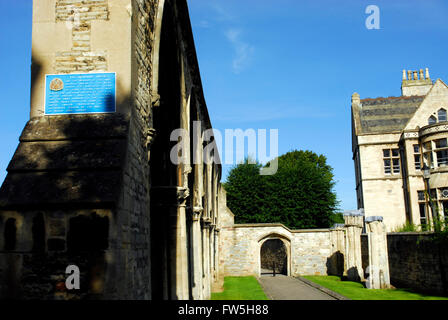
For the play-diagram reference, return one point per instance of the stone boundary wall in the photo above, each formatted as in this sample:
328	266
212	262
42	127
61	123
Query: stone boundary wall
309	251
416	262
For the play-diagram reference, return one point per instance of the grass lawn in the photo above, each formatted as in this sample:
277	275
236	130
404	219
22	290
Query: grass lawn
356	291
240	288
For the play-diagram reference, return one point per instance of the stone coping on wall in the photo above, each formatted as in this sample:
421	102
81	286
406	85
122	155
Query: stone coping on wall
272	225
373	219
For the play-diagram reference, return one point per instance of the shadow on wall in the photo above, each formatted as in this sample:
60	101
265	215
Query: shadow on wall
335	264
36	68
353	274
64	183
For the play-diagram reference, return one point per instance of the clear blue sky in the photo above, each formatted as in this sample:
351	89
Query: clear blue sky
290	65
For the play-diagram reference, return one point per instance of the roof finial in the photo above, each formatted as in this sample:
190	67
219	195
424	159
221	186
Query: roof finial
404	75
422	77
427	73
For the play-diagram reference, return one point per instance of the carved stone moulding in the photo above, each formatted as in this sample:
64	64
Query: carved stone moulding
197	213
169	196
433	129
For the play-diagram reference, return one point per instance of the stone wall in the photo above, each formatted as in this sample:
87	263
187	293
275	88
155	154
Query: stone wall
377	185
78	16
132	238
73	36
94	174
309	251
226	218
57	160
144	28
416	262
37	270
78	165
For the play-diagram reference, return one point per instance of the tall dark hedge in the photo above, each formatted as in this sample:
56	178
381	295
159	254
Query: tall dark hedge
300	195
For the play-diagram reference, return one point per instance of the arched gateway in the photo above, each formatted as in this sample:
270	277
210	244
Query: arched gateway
275	255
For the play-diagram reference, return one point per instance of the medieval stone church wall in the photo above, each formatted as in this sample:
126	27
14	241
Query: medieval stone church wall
132	233
97	183
95	164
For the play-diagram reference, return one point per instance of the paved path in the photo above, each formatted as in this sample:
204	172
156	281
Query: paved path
282	287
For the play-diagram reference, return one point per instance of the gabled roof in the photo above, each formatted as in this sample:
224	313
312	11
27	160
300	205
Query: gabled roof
436	93
385	115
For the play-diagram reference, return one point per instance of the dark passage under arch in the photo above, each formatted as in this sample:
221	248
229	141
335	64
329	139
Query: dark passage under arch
165	175
274	257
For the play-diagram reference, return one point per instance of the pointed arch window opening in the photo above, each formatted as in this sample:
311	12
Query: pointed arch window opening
432	120
442	115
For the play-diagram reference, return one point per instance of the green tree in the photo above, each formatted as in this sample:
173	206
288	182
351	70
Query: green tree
300	195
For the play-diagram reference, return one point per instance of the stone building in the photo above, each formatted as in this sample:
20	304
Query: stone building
99	190
393	140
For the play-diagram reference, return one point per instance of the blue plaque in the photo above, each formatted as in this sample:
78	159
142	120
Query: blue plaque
79	93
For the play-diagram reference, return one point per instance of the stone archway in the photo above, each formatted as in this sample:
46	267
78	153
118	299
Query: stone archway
167	195
274	252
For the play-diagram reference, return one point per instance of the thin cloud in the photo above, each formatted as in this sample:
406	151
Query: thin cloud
221	13
203	24
243	50
215	14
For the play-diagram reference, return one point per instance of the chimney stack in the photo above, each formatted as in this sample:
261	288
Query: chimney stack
413	85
